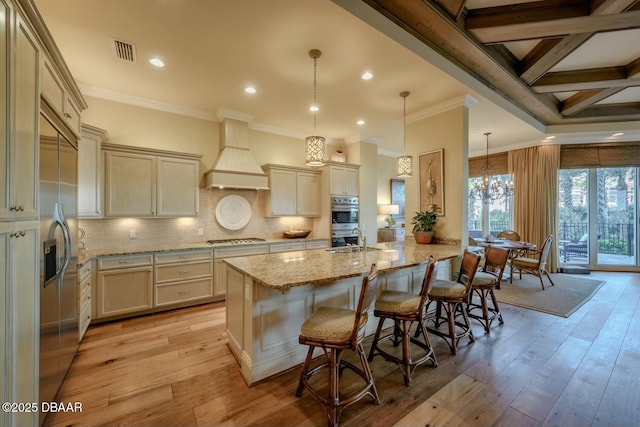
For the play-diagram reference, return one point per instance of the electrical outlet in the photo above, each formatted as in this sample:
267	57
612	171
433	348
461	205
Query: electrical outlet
132	234
200	231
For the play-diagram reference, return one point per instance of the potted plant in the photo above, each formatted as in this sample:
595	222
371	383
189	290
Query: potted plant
423	224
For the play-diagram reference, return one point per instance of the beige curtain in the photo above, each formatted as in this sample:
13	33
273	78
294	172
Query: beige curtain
535	179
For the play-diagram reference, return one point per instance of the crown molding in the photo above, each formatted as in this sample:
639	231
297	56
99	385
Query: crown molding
110	95
459	101
225	113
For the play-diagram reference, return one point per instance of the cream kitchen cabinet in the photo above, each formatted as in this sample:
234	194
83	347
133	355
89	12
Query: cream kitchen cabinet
317	244
56	94
90	171
84	299
19	299
220	267
125	285
295	245
141	183
343	180
183	277
292	191
18	147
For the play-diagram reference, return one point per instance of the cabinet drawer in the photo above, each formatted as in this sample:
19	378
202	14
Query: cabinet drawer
191	270
183	256
317	244
287	247
109	263
85	294
180	292
85	288
241	251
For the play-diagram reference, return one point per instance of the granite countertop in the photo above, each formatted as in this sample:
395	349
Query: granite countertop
285	270
85	256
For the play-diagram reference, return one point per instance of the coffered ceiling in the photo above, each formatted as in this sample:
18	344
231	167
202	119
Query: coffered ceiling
214	48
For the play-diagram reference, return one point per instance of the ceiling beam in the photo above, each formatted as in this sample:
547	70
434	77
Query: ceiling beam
633	69
453	7
591	79
507	32
585	99
431	25
548	53
607	112
522	13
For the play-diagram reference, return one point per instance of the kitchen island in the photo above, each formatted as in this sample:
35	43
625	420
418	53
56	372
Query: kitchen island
270	296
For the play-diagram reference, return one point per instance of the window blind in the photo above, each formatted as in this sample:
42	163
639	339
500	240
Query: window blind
498	163
577	156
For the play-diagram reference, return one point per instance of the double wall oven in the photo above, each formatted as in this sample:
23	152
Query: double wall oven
344	218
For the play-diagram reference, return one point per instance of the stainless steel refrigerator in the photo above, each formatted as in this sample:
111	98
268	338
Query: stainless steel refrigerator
58	266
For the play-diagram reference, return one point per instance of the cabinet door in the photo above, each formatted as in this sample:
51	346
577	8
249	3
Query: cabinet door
130	184
336	180
282	185
124	291
72	115
4	91
27	111
308	194
4	308
220	281
177	187
24	282
351	182
89	178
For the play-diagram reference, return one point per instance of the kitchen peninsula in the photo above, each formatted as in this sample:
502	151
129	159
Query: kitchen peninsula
270	296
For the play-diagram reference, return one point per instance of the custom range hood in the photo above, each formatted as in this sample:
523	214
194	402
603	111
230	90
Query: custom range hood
235	168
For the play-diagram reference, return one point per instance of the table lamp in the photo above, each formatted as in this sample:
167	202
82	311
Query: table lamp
389	210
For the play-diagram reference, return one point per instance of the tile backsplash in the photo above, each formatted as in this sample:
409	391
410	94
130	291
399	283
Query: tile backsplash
115	233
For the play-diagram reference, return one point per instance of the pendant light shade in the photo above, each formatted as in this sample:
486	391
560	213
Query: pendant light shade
404	163
314	145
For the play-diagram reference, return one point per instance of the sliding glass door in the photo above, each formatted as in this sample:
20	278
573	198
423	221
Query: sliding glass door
597	213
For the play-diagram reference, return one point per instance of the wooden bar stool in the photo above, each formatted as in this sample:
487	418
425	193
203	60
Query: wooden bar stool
451	296
335	330
405	308
484	282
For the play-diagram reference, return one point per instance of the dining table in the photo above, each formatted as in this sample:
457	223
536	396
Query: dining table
515	248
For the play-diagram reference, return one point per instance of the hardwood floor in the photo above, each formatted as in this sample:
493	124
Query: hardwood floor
174	369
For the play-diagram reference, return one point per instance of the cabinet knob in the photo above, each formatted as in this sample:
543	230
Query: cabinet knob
18	234
20	208
67	115
13	208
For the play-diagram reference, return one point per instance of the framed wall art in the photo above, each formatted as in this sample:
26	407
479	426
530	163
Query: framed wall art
431	169
397	195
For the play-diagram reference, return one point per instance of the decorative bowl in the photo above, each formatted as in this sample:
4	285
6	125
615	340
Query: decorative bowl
296	234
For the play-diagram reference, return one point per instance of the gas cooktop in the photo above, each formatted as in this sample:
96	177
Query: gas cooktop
241	241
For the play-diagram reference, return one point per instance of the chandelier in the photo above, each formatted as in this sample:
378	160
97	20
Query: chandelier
404	166
314	145
490	188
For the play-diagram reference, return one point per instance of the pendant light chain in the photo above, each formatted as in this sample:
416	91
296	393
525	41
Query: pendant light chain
314	144
404	166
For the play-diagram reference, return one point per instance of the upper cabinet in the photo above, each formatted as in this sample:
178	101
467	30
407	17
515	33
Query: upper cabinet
343	179
54	91
21	58
292	191
146	183
90	171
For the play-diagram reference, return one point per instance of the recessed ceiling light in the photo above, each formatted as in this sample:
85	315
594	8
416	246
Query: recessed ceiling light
367	75
156	62
551	137
618	134
360	122
250	89
314	108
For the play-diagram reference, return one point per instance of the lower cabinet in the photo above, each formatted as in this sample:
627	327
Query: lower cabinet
183	277
220	285
84	299
125	285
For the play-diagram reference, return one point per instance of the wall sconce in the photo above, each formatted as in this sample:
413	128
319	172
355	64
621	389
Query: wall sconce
389	210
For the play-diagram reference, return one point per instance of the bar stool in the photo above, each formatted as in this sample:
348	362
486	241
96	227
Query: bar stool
335	330
452	295
405	308
484	282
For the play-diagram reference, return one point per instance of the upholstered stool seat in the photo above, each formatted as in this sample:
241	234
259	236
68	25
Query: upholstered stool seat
484	283
450	297
404	308
335	330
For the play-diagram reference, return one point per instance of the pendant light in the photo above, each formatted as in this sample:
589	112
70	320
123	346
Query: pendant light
314	144
404	162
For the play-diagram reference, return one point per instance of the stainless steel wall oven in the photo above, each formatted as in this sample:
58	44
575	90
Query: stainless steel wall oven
344	218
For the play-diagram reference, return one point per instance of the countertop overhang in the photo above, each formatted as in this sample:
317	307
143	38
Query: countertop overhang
285	270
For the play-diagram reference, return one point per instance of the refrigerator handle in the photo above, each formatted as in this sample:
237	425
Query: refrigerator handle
58	217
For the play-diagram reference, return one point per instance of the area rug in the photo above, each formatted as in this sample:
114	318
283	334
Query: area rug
569	293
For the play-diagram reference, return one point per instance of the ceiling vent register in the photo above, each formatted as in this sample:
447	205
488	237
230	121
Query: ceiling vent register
125	51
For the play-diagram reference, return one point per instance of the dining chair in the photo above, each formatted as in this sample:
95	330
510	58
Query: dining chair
336	330
405	309
534	262
450	296
509	235
483	285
